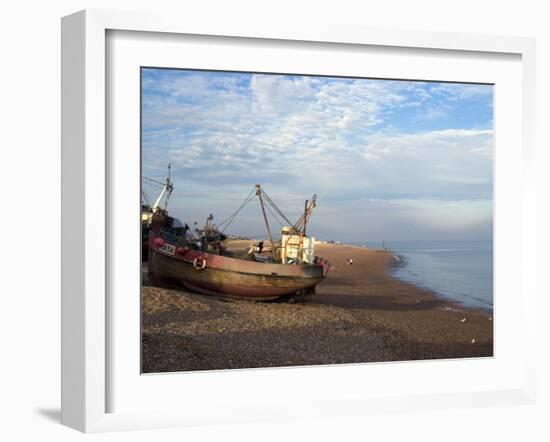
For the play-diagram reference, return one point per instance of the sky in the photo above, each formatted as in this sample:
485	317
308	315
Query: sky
387	159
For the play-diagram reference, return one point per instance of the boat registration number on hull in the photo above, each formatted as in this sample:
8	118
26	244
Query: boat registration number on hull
169	249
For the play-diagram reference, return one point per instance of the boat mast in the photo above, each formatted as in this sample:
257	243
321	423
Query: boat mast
167	187
301	224
305	218
259	193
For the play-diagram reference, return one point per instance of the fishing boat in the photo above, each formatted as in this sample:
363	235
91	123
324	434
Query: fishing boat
154	213
288	268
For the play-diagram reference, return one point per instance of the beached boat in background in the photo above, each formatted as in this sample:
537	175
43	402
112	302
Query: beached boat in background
154	213
203	265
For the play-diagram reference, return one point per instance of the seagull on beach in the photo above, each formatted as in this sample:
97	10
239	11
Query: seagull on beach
473	340
463	320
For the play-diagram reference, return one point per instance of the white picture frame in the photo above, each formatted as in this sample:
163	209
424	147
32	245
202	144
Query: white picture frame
85	214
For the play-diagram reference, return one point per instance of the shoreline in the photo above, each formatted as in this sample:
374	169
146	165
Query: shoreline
360	313
421	290
391	269
391	272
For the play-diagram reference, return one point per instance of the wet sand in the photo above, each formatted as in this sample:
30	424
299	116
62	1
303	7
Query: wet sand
358	314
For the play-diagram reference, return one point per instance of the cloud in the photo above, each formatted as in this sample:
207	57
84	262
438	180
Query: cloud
461	91
350	139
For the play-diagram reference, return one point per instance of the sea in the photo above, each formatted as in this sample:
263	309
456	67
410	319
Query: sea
461	271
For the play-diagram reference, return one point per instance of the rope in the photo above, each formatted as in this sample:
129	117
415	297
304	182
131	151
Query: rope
145	197
153	181
281	214
275	216
271	207
230	218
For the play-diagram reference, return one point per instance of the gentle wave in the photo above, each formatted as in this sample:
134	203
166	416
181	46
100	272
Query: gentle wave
459	271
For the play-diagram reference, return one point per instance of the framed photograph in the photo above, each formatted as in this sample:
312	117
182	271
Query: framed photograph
267	222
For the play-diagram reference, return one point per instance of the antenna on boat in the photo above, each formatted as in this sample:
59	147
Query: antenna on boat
169	186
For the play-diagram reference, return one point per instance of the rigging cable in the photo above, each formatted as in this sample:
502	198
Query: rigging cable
270	201
145	198
230	218
275	216
152	180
